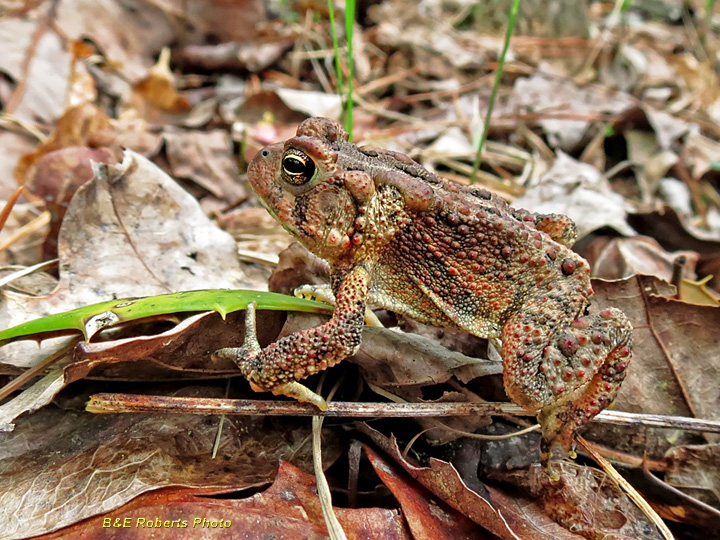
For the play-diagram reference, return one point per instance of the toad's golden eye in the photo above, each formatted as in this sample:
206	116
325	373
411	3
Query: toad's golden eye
297	167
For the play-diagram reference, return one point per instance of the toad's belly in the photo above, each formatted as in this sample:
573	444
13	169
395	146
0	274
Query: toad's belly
474	309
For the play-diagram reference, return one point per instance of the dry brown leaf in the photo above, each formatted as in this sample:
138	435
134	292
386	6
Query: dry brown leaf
402	363
580	191
205	158
675	366
297	267
34	57
583	501
695	470
130	232
673	234
85	125
312	103
623	257
443	480
155	97
129	36
23	235
226	20
234	56
62	466
668	229
697	292
400	25
54	178
668	128
182	352
527	516
548	94
14	145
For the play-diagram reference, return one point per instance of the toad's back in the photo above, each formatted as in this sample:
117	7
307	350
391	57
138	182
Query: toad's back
463	256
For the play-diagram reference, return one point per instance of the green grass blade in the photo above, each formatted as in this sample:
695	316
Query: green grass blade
349	32
498	76
90	319
709	7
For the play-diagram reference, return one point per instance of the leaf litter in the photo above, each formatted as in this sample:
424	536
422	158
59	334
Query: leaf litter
617	130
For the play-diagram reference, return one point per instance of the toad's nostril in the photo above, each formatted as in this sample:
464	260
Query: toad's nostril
265	153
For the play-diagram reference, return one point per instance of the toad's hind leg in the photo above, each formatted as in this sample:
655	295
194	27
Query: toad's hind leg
566	373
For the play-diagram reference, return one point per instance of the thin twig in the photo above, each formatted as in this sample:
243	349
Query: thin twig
36	371
30	227
27	271
383	82
131	403
7	209
221	424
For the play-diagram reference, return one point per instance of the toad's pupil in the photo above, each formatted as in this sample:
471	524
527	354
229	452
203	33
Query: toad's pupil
295	166
297	169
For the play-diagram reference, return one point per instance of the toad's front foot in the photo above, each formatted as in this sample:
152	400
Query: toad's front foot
250	360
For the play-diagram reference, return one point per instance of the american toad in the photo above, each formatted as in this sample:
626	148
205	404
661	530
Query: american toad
400	237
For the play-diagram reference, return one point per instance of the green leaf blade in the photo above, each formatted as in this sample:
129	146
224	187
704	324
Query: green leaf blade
88	320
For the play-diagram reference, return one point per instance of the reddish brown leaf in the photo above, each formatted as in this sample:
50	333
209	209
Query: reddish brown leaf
85	125
289	509
582	501
155	97
183	352
428	518
442	480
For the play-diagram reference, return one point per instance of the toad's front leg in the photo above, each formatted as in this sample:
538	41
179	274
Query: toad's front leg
279	366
